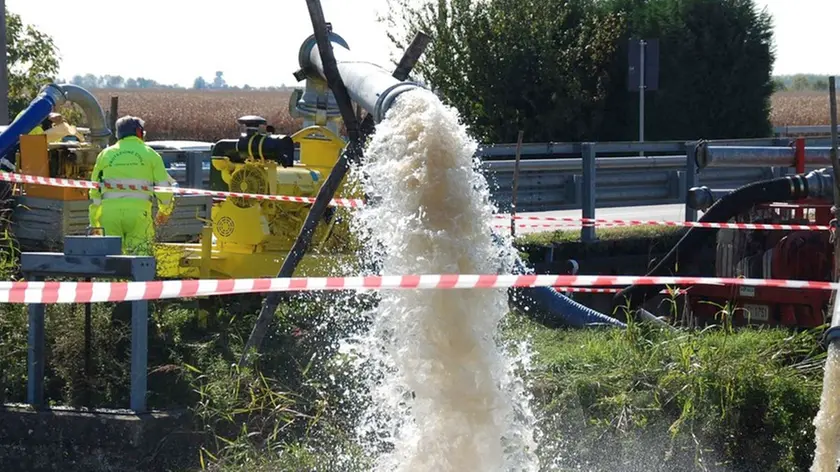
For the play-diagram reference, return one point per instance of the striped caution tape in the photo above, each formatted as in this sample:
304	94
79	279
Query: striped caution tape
86	184
356	203
605	290
91	292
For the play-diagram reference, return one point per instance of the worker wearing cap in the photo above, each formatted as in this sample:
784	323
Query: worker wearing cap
126	172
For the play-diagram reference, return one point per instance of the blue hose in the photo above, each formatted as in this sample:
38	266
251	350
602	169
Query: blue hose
39	109
552	306
558	308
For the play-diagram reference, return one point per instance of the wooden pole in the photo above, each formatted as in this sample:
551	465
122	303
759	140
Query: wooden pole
112	118
515	185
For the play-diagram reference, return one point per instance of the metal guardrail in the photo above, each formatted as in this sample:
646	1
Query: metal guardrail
802	130
586	176
589	180
41	224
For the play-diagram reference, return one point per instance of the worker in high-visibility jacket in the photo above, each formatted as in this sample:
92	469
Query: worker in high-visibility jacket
126	172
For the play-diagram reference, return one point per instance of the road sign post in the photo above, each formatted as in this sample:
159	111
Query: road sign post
642	92
643	74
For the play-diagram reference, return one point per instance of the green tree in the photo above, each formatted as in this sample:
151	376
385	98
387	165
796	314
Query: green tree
508	64
716	59
32	60
801	83
558	68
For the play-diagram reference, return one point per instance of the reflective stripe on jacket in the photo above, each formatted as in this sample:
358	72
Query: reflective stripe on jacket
129	169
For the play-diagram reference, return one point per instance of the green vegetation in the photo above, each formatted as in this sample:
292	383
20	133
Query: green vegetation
32	62
801	83
647	399
560	67
560	236
687	400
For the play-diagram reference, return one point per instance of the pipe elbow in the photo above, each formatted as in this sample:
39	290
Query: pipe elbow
54	93
99	131
310	62
831	336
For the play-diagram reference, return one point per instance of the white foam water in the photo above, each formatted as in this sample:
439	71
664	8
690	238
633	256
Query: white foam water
444	394
827	421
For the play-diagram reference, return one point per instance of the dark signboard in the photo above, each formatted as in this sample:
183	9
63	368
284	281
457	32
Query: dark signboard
634	59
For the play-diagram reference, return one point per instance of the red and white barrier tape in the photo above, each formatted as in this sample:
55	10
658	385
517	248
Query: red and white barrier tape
607	290
562	221
86	184
85	292
356	203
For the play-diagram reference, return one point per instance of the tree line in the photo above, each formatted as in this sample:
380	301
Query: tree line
801	83
558	69
91	81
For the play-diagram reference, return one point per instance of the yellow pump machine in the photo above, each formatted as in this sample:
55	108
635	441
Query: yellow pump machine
243	237
43	215
249	237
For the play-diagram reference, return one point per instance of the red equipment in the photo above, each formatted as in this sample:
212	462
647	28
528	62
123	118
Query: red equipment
789	255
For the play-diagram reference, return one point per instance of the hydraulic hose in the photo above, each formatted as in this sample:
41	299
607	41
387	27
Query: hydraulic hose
37	111
789	188
548	305
552	307
49	98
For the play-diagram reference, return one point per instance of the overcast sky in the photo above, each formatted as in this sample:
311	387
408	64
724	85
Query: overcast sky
256	42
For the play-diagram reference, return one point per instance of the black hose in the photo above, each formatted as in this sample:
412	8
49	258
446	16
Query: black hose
740	200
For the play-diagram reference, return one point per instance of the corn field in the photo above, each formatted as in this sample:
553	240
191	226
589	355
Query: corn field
800	109
200	115
211	115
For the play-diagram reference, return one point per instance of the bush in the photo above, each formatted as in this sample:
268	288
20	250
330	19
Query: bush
558	68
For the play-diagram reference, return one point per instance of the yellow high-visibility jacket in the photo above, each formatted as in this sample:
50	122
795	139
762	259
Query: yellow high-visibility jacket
132	164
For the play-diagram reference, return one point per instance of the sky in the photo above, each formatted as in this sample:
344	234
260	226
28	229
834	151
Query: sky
175	41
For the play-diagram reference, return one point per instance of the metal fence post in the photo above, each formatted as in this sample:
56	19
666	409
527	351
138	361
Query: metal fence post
36	356
587	230
690	178
112	119
139	354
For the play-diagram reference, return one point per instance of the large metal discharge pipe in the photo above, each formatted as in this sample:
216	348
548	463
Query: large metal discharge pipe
37	111
99	132
757	156
48	99
372	87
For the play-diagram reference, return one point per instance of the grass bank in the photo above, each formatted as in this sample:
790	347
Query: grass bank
617	251
651	400
710	400
633	400
560	236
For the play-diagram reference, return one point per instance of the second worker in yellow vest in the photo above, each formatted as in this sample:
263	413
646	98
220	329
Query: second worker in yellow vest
122	206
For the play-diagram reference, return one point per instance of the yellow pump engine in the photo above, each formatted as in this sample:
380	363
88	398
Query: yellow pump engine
250	236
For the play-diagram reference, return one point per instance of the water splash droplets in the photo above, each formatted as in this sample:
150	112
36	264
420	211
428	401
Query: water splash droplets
444	395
